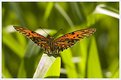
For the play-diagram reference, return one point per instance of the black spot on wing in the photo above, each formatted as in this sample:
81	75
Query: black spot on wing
74	37
77	35
72	33
32	32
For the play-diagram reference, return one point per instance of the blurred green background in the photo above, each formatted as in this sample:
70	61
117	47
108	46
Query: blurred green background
93	57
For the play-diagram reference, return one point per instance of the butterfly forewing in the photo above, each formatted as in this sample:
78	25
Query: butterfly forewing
70	39
55	46
35	37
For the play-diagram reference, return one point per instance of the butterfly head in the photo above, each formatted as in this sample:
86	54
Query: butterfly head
50	37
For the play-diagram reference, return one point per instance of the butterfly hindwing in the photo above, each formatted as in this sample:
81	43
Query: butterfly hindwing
35	37
70	39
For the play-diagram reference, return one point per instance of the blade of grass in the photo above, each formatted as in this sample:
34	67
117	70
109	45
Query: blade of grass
54	70
83	55
94	67
113	68
21	39
5	72
9	41
101	9
18	12
116	75
22	71
48	10
44	66
28	62
64	14
76	9
69	65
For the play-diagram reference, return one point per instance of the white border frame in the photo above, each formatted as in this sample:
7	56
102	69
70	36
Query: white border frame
58	1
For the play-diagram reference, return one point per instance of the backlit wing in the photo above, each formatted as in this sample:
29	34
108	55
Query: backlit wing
35	37
70	39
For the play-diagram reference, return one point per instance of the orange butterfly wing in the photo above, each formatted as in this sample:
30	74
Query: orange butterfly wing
70	39
55	46
35	37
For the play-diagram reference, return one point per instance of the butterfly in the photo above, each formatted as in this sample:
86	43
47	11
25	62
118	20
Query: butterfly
54	46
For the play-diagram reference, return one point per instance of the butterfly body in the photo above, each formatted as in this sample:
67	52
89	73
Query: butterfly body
50	45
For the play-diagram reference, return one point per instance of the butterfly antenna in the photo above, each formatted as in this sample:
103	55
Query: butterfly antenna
44	30
58	32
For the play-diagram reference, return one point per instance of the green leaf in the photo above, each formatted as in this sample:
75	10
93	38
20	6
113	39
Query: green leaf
5	71
103	9
27	65
54	70
12	44
83	55
116	75
22	71
114	68
48	10
64	14
44	66
94	67
69	65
